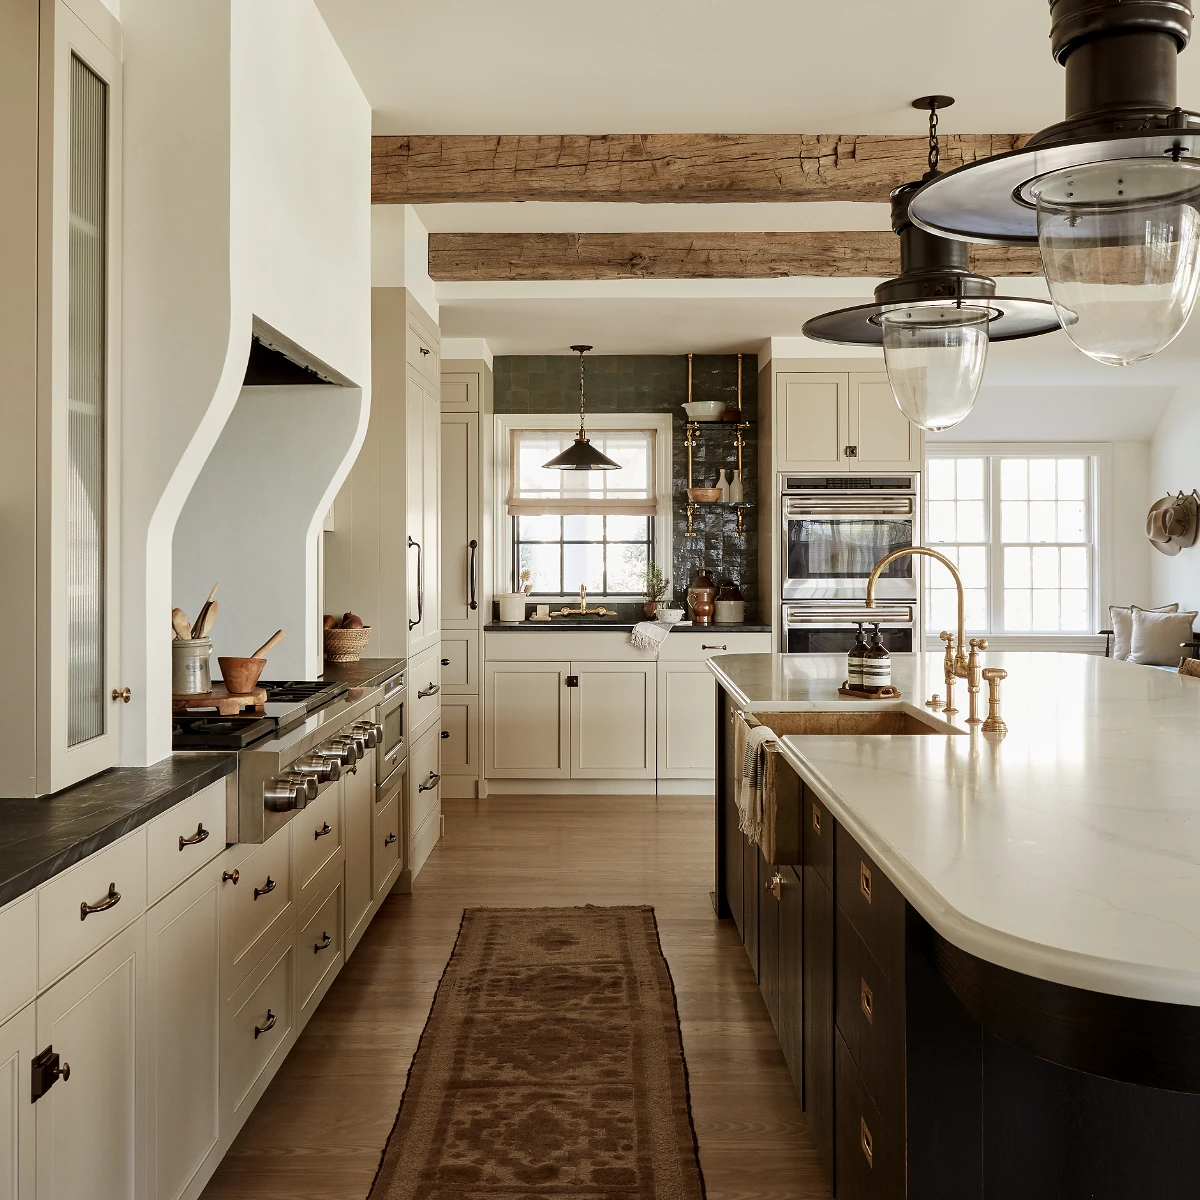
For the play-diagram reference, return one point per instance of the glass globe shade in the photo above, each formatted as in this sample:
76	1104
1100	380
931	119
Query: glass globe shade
935	355
1120	246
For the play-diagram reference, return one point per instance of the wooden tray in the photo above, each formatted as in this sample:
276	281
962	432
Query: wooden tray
888	693
227	704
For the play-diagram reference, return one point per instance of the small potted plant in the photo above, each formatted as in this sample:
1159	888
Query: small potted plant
657	586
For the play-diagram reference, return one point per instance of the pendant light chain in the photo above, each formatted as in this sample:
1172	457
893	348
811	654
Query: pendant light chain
935	151
581	353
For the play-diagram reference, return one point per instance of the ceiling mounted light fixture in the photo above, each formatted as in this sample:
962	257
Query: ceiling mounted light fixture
936	318
1110	194
581	455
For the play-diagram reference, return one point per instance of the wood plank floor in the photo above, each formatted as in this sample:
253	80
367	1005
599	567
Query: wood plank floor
320	1128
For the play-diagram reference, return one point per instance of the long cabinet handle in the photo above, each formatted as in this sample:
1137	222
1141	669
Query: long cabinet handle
431	690
420	583
429	784
113	897
266	888
201	835
473	546
266	1028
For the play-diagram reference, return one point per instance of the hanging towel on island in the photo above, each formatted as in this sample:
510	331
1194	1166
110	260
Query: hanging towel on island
650	635
755	777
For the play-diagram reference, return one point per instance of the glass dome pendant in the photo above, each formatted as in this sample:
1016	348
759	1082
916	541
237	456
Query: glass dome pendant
936	319
581	455
1111	194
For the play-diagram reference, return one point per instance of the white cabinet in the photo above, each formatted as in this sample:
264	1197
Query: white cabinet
358	798
687	714
528	720
614	722
91	1126
460	547
460	737
424	817
830	421
183	1025
423	460
18	1045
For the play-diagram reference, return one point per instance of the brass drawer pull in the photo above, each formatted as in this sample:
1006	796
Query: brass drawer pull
775	886
201	835
266	888
816	818
866	1142
113	897
391	837
864	880
867	1000
324	944
322	832
429	784
271	1019
231	876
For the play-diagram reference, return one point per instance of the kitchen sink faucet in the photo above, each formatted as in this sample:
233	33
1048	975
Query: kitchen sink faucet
958	665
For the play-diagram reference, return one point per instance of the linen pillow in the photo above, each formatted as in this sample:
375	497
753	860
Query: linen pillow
1157	637
1121	620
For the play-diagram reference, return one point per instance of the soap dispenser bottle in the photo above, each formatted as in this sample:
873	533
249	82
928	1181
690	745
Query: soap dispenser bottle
855	660
877	665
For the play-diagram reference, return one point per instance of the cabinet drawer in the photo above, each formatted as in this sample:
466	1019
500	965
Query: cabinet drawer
257	1022
316	840
460	662
423	353
870	1018
19	937
424	777
424	688
386	831
868	1158
816	830
186	837
871	902
699	647
320	949
65	935
254	906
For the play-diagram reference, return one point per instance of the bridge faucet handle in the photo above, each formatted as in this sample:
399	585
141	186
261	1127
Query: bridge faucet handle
978	643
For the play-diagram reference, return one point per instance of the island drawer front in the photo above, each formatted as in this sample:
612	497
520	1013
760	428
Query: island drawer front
386	826
870	1019
184	839
868	1157
320	947
316	840
871	902
65	936
18	936
816	825
249	922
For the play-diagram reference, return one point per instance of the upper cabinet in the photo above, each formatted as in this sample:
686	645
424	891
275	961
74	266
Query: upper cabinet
60	466
835	421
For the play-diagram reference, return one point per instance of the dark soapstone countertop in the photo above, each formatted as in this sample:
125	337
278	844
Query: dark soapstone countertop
367	672
41	837
563	624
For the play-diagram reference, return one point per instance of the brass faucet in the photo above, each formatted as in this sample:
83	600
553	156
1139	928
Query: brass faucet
957	665
583	609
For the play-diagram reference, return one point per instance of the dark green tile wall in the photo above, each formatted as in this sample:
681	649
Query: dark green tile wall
658	383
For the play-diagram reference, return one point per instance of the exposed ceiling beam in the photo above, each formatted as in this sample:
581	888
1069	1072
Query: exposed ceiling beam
679	168
471	257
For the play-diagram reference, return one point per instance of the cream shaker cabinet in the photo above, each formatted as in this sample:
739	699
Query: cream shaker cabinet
834	421
614	721
424	533
61	346
460	520
18	1045
687	714
528	720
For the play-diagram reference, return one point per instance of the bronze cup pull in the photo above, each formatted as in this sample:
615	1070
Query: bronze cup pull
113	897
867	1000
201	835
270	1024
864	880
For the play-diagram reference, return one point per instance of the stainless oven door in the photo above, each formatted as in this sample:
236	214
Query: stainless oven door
831	544
394	746
830	629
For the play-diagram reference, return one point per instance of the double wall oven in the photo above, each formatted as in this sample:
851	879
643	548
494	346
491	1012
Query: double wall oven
835	529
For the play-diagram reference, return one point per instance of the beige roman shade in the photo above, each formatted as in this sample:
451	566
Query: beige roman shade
533	490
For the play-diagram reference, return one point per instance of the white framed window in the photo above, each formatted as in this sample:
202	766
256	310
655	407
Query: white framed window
592	528
1021	522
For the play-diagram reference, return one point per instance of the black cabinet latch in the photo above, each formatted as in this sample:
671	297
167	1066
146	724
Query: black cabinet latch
572	681
851	451
47	1071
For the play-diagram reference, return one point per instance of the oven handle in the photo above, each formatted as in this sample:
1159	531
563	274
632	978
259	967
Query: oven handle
420	583
855	508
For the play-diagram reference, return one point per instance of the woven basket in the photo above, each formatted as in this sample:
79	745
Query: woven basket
346	645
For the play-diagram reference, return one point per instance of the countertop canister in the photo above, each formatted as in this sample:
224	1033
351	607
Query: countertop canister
189	666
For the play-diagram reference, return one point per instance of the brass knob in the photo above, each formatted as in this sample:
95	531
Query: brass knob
122	694
231	876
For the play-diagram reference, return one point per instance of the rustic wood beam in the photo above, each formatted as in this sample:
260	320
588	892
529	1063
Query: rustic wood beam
661	167
470	257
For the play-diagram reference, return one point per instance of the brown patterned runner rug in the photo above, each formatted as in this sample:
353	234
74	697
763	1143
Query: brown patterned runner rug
550	1068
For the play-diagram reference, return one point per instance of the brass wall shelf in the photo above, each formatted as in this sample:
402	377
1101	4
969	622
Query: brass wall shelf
739	506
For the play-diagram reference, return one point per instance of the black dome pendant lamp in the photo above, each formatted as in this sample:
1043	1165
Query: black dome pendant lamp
1110	194
581	455
936	318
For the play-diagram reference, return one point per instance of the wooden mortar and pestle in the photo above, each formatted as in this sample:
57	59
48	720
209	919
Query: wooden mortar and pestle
241	674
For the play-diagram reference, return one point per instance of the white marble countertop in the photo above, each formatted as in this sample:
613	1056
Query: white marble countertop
1069	850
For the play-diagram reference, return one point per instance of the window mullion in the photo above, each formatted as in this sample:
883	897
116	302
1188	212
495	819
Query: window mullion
995	548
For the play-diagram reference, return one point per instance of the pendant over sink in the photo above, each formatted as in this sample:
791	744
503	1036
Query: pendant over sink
581	455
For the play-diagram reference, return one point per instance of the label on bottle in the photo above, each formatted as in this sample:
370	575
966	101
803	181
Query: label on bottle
854	669
877	672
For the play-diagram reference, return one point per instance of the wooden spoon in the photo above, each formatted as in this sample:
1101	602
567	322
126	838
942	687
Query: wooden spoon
269	644
181	625
196	628
207	618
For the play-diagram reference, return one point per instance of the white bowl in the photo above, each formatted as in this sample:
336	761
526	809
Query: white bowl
705	410
670	614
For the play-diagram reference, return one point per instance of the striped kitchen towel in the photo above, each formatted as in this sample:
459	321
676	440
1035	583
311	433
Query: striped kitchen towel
754	766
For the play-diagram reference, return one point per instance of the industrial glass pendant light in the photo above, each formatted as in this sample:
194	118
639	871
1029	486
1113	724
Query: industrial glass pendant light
581	455
1109	195
936	318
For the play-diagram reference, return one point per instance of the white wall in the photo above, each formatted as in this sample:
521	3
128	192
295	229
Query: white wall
400	254
247	192
1174	467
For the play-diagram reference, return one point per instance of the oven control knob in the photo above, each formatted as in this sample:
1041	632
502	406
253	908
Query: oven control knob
323	770
378	734
281	795
307	787
369	732
341	750
349	746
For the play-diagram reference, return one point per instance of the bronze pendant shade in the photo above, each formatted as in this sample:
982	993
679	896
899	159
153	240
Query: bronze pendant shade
581	455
